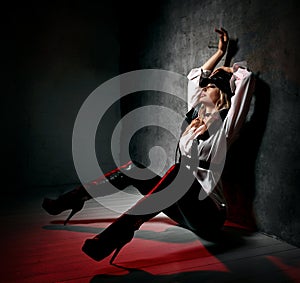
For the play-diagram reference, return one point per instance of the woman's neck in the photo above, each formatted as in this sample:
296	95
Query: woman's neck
209	109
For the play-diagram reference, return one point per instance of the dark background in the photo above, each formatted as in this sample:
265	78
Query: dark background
55	54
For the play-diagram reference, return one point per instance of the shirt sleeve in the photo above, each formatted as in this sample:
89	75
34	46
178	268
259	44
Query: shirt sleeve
193	85
242	83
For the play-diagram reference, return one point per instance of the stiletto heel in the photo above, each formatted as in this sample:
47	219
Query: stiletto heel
73	200
72	213
115	254
76	198
121	231
105	243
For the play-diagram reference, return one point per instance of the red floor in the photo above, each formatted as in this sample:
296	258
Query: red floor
36	247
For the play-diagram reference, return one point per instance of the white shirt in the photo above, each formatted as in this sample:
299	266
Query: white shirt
215	147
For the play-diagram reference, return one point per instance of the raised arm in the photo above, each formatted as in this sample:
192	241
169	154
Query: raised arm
212	62
243	83
205	70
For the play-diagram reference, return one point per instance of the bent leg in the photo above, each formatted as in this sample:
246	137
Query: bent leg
204	217
74	200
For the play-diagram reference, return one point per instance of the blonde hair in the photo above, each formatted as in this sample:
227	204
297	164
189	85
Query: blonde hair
222	103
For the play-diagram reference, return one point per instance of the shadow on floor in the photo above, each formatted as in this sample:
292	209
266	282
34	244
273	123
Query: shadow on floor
230	238
191	264
265	272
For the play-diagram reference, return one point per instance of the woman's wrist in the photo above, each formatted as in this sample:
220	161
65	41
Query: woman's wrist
212	62
220	53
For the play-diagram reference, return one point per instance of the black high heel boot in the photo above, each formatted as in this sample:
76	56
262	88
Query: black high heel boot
76	198
113	238
73	200
121	232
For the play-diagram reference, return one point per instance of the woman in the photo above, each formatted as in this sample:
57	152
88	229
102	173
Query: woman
218	102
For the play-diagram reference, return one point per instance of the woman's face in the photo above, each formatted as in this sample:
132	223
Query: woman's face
210	94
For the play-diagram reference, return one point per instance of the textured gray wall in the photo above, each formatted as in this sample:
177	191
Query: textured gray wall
261	176
56	54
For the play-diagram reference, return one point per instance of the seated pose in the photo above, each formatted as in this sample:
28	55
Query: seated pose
218	102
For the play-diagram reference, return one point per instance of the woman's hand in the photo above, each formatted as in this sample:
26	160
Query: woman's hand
227	69
212	62
223	39
198	126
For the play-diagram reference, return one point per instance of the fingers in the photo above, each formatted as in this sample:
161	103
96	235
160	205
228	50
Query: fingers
215	71
223	39
218	31
222	32
227	69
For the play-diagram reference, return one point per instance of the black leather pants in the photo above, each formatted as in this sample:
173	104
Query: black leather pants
204	217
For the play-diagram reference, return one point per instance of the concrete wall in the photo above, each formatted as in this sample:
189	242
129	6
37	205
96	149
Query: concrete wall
56	54
261	174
